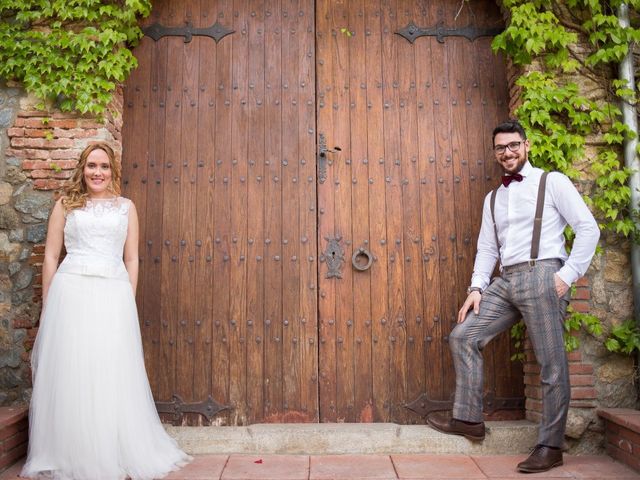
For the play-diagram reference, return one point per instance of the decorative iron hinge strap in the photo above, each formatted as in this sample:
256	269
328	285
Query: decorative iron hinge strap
216	31
423	405
412	31
178	407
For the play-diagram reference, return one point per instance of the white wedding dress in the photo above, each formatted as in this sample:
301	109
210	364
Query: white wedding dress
92	415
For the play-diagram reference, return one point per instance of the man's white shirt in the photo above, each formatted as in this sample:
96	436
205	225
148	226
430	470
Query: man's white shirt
514	213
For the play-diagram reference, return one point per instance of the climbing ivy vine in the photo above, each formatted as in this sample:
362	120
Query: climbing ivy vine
70	52
549	38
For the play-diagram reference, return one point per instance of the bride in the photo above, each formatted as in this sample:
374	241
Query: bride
92	414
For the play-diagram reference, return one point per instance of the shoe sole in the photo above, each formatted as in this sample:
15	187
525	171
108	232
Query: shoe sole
468	437
538	470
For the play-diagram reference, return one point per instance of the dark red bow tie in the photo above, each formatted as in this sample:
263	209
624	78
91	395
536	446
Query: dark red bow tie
507	179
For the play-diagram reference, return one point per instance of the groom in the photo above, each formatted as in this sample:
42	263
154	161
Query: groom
534	281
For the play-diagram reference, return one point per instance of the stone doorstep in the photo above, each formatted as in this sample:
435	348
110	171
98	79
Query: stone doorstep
503	438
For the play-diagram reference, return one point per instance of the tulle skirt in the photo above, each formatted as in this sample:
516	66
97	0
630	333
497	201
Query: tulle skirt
92	415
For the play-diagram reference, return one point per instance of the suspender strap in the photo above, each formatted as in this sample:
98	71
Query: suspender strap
537	221
493	217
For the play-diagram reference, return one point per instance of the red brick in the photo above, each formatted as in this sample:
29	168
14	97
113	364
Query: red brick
32	332
533	392
90	123
64	174
47	184
22	321
531	368
630	460
582	404
38	133
582	380
35	122
15	132
532	404
75	132
580	369
630	435
28	153
42	142
63	123
65	155
17	439
580	306
40	173
534	416
11	430
532	379
582	294
12	456
582	282
575	356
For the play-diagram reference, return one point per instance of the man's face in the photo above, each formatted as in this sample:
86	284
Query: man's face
511	151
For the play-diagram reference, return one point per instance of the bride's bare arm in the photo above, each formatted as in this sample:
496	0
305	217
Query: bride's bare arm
53	247
131	262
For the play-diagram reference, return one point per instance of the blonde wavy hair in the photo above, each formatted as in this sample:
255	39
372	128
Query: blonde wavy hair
75	193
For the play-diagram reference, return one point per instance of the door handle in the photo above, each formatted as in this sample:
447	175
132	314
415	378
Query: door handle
322	157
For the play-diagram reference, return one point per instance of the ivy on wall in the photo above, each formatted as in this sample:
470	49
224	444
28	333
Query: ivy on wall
70	52
549	37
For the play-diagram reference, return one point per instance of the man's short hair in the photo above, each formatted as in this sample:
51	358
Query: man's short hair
510	126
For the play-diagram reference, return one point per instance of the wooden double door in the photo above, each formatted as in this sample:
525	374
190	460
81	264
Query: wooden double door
310	183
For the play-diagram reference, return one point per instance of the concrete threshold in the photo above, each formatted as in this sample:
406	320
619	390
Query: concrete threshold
503	438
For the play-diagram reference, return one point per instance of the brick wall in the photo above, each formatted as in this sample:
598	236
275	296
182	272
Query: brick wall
43	147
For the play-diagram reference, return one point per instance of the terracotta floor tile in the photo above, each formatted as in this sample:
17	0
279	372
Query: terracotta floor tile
266	467
504	467
203	467
597	467
436	466
12	472
352	467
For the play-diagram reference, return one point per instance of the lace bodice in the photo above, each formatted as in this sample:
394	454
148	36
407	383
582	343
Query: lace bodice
94	238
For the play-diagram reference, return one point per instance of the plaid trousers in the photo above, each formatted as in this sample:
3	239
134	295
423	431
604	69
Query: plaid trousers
521	291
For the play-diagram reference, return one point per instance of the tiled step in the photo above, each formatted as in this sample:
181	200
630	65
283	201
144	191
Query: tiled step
384	467
505	437
622	433
14	432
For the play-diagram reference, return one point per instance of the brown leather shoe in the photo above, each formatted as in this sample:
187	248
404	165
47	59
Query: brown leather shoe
471	431
542	458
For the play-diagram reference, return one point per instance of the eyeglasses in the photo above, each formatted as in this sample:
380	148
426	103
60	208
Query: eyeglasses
512	146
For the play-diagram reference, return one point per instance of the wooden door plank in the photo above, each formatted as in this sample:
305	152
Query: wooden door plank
171	213
308	243
151	218
343	216
272	202
359	327
220	230
204	277
395	338
325	203
238	136
256	313
187	163
412	231
291	97
444	186
380	353
425	85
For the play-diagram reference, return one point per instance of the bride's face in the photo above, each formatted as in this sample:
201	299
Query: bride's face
97	173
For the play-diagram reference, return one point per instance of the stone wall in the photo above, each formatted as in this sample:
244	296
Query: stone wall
38	152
